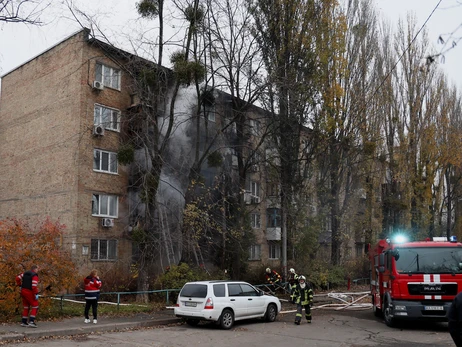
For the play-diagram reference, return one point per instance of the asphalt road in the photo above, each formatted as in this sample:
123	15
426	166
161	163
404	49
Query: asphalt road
329	328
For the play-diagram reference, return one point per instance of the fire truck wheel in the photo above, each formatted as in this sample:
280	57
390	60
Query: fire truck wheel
389	320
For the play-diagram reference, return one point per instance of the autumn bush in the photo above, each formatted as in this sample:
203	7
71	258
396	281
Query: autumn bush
23	245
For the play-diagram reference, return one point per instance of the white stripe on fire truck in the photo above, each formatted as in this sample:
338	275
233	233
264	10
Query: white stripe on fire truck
436	279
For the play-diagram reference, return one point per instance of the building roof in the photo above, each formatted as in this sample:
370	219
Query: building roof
48	49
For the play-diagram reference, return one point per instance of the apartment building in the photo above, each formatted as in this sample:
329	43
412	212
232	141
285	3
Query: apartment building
59	135
60	129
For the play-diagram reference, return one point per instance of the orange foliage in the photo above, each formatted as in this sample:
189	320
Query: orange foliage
21	246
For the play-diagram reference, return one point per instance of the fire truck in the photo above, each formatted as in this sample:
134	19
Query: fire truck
415	280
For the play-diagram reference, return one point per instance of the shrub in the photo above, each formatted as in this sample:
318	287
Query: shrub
324	275
178	275
22	246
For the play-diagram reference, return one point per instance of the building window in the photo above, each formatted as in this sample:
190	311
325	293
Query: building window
104	205
84	250
255	252
253	190
272	157
103	249
209	112
255	220
274	250
254	127
273	218
108	76
104	161
273	189
109	118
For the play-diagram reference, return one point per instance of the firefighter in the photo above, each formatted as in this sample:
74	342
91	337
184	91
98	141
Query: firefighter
455	320
28	282
303	297
293	280
273	278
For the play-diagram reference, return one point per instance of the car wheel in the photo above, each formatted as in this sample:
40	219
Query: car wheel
271	313
389	320
192	322
227	319
377	311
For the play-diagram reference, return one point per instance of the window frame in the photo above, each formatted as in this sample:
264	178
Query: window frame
108	204
273	220
274	250
110	161
273	189
111	249
255	252
209	112
98	119
255	220
253	189
104	76
255	127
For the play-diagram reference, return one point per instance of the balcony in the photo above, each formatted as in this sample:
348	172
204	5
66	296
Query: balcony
273	234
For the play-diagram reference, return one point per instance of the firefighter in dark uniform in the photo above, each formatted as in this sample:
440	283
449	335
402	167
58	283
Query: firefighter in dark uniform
293	280
455	320
303	297
273	278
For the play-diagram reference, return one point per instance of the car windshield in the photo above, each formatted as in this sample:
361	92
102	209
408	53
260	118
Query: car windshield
194	290
429	260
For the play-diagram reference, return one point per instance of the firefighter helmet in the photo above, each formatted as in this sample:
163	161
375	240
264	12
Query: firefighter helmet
268	270
292	270
302	278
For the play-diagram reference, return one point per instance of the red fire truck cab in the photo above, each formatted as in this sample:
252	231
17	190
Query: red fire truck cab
415	280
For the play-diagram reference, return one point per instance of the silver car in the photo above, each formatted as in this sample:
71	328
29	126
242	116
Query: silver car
224	302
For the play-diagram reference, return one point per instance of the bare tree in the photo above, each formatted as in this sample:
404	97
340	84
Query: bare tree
22	11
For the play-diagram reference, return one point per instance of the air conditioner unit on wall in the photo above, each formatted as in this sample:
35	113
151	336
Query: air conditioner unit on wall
107	222
98	130
98	85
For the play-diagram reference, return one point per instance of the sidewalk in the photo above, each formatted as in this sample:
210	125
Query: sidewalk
75	326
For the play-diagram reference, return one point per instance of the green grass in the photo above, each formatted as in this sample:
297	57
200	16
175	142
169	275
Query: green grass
71	309
65	309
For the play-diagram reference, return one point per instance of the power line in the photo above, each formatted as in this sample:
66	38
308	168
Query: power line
404	52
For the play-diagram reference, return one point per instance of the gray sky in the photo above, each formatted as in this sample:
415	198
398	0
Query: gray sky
118	19
446	21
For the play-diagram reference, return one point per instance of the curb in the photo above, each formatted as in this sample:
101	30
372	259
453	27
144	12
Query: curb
87	329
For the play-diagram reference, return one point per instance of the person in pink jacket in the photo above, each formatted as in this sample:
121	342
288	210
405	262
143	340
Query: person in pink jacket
92	290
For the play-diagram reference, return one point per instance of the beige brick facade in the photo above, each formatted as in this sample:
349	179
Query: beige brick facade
47	144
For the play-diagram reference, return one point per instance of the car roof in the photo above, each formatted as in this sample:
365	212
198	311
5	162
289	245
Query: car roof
216	281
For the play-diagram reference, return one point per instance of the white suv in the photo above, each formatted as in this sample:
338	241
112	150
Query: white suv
224	302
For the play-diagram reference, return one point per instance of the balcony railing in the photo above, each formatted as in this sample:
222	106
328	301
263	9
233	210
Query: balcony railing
273	234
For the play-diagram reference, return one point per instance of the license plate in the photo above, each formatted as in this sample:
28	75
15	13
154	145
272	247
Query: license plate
190	304
433	308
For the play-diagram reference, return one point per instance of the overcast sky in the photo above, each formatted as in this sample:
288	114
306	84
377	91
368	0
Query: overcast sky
117	18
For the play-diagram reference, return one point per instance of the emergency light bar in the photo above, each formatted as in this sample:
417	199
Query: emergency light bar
440	239
399	238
